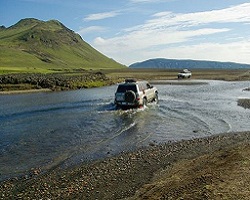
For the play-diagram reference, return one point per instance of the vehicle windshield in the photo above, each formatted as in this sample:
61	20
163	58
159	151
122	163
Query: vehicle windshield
124	88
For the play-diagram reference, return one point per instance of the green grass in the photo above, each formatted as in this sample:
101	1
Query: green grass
16	61
47	47
11	87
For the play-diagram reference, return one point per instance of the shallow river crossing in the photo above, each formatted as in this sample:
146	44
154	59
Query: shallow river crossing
64	128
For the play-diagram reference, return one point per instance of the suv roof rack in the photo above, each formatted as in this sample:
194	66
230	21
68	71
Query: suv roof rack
130	80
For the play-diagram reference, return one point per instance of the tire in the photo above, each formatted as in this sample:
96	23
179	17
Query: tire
145	102
130	96
156	100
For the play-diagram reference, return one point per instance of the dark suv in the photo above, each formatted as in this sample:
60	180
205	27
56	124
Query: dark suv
132	94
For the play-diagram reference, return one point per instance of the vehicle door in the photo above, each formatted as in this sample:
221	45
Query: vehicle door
149	91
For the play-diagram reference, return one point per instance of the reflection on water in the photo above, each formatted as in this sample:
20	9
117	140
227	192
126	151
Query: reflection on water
50	129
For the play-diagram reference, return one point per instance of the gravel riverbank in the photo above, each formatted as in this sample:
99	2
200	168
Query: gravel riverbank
205	168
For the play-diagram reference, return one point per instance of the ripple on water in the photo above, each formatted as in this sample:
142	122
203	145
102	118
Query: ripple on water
45	130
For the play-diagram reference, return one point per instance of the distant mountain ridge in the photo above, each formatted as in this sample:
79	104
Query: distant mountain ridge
47	46
162	63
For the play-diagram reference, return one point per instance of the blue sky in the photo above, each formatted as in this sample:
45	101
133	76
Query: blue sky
135	30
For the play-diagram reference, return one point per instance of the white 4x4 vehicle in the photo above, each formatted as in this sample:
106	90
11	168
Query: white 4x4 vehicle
185	73
133	94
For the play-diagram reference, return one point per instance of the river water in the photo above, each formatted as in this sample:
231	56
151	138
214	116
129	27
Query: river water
64	128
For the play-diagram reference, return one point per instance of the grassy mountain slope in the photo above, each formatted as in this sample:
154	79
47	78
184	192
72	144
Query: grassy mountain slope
162	63
32	45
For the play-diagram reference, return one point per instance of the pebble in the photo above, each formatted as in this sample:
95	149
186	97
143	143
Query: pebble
103	177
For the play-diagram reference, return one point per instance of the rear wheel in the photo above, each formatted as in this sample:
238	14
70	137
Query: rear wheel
145	102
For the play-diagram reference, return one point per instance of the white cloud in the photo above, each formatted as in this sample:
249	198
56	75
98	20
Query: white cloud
138	40
168	28
234	14
129	48
234	51
100	16
91	29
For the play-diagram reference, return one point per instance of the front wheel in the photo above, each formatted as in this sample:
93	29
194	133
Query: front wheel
156	99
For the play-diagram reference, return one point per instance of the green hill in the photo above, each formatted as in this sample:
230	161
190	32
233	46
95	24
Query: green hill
34	46
162	63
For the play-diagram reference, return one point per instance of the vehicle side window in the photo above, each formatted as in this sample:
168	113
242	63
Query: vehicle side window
148	86
140	87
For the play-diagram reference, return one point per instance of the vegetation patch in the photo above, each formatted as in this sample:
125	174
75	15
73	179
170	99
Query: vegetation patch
54	82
